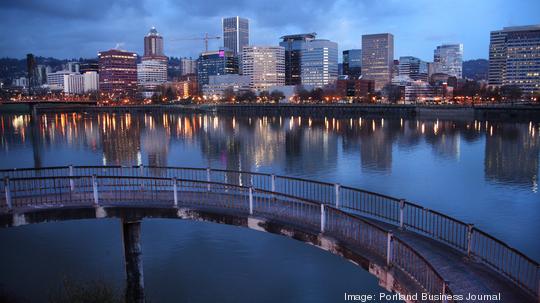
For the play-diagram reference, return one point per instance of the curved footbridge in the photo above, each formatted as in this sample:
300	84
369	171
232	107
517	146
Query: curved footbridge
411	249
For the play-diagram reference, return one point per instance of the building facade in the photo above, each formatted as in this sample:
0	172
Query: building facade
56	80
413	68
91	81
448	59
217	85
352	63
118	73
153	46
215	63
264	65
150	75
188	66
378	58
293	45
319	63
74	84
514	58
235	33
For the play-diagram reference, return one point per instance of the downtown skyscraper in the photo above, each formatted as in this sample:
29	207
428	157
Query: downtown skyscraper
265	66
319	63
378	58
514	58
448	59
235	33
293	45
153	46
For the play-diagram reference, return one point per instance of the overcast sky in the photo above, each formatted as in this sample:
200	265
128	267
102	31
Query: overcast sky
80	28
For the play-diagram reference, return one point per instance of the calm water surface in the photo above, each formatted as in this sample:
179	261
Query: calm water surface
482	172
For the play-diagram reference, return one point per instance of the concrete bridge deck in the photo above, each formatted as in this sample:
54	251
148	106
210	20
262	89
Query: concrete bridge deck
403	259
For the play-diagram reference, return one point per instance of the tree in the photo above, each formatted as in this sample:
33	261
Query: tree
264	95
247	96
392	92
317	94
229	94
277	96
511	92
301	93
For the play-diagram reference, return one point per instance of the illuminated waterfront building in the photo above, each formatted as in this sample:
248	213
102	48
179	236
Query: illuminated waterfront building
56	80
150	75
319	62
218	84
378	58
235	33
352	63
413	68
293	45
514	57
74	84
215	63
153	46
91	81
264	65
118	72
448	59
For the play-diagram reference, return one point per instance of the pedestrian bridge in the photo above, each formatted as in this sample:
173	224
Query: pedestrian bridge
409	248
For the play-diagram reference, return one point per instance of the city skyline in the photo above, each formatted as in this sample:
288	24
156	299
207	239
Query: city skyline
81	30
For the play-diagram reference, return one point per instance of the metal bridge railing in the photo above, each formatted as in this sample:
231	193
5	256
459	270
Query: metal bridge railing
466	238
353	231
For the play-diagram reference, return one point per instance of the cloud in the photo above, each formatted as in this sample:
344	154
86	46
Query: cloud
81	28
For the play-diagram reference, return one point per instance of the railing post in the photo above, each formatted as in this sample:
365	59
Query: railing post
251	200
71	181
208	177
444	291
323	218
141	174
8	193
175	192
401	211
337	187
95	188
389	247
469	239
273	183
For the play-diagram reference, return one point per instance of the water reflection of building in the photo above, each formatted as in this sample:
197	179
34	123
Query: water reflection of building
378	136
443	136
120	136
511	154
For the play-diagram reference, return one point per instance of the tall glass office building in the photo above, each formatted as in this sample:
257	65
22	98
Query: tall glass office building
413	67
448	59
319	62
352	63
215	63
265	66
235	33
514	57
293	45
378	58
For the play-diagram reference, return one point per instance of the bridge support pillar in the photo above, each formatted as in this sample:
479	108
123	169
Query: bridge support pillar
131	231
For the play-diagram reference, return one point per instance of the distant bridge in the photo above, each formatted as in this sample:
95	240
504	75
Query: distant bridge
410	249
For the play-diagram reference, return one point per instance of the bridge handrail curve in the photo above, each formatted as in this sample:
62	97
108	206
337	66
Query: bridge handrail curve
464	237
430	280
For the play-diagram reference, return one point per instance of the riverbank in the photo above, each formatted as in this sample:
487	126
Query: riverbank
478	112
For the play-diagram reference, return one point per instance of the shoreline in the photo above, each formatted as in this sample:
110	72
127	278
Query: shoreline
525	112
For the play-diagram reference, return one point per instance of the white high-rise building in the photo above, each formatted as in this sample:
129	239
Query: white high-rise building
74	84
91	81
319	62
151	74
56	80
448	59
264	65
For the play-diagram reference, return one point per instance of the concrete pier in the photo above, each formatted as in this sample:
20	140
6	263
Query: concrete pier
131	231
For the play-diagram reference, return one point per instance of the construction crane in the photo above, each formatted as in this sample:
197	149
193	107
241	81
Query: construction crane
205	38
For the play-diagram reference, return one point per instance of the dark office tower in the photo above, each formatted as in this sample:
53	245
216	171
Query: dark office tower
31	68
215	63
153	46
235	33
89	66
352	63
118	73
378	58
413	67
514	57
293	45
